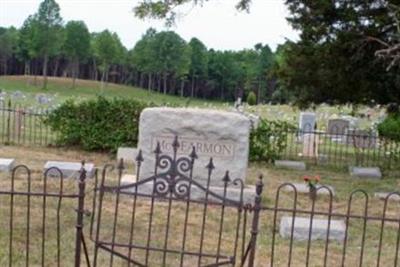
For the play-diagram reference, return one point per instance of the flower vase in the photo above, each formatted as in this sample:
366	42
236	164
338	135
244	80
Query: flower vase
313	193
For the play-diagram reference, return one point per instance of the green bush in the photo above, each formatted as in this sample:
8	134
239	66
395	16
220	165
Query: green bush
251	98
269	140
97	124
390	127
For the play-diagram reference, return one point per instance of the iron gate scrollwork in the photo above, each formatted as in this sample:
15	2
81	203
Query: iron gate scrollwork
158	220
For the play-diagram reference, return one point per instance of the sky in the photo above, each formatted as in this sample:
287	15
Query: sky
217	23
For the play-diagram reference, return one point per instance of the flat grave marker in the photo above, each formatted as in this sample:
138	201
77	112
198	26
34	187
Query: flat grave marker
290	164
366	172
319	230
6	164
69	169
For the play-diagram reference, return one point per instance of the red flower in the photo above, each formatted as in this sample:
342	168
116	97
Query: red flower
317	178
306	178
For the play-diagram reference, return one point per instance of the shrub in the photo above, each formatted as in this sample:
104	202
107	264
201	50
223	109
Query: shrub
251	99
97	124
390	127
269	140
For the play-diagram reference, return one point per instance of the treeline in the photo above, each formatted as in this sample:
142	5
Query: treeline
160	61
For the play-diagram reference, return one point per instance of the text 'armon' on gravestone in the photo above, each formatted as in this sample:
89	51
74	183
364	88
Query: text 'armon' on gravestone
203	148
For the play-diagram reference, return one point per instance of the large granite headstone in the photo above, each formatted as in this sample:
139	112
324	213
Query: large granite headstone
224	136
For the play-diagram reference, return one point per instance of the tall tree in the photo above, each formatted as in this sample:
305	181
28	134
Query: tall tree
198	64
334	61
106	50
8	46
47	37
76	45
171	55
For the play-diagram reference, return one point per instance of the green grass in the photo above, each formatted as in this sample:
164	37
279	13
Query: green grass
61	88
341	181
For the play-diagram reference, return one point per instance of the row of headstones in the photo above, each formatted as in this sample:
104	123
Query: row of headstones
42	99
342	130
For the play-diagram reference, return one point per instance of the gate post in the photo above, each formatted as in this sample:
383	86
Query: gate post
256	218
80	212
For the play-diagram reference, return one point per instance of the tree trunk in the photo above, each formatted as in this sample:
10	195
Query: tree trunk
75	73
103	76
55	71
45	62
36	72
182	86
165	83
192	92
149	82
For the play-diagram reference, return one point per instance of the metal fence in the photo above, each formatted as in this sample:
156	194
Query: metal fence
24	126
341	149
42	219
169	219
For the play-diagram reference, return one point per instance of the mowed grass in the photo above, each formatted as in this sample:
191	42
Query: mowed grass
61	89
86	89
341	181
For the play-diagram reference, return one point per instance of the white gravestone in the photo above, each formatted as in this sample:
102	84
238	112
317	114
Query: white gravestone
224	136
307	122
6	165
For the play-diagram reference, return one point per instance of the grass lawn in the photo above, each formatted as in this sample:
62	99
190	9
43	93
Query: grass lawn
341	181
61	89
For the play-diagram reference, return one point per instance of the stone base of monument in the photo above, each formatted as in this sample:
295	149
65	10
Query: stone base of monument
304	189
366	172
319	230
127	154
69	169
384	195
196	193
6	165
290	164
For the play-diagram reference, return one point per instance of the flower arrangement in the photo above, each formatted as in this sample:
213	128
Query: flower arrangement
312	182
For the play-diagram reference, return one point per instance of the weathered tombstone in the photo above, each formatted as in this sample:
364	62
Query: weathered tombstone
6	165
337	127
301	228
69	169
224	136
361	139
307	122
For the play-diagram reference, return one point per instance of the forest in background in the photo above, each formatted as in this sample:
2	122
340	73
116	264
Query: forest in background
334	61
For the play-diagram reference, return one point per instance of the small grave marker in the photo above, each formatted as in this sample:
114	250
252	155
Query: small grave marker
69	169
6	165
319	230
290	164
366	172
